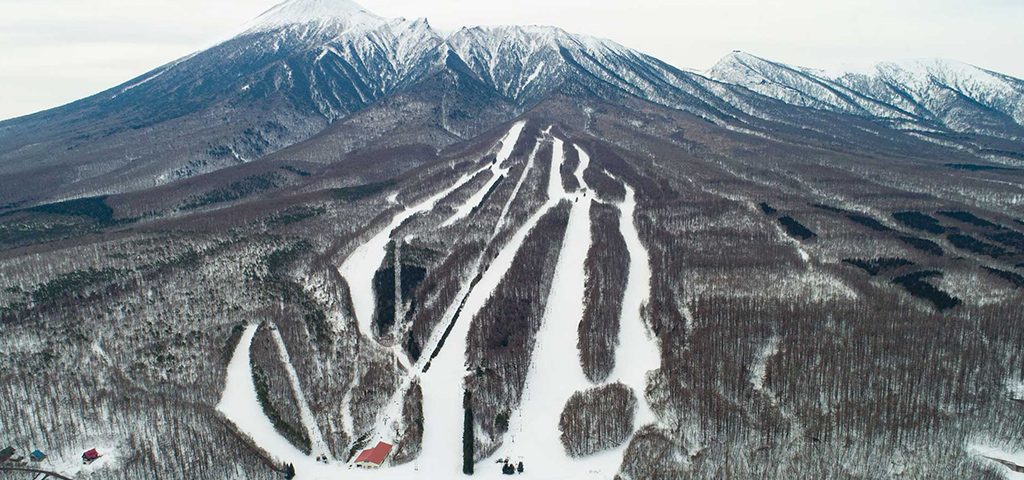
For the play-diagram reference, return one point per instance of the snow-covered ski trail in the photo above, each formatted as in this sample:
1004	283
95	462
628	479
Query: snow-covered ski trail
240	405
443	384
638	351
515	191
316	438
359	268
555	372
498	170
384	428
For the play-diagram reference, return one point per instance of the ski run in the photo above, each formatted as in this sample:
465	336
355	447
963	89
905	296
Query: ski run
554	374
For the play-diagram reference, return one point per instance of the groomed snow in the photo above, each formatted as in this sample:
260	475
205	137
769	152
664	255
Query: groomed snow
638	351
316	439
239	404
359	268
498	169
443	383
534	436
388	417
555	372
998	455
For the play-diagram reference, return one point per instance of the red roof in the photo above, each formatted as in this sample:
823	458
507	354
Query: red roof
375	455
91	455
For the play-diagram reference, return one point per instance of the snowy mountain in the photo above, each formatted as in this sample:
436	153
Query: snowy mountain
307	64
339	240
927	95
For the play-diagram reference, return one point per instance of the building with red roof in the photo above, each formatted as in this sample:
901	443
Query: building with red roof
374	457
90	456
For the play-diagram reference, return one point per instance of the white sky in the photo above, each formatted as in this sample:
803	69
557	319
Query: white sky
56	51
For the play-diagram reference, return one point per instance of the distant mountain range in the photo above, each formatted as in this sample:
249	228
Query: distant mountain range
307	66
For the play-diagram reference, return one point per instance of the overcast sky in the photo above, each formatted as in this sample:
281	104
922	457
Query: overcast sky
56	51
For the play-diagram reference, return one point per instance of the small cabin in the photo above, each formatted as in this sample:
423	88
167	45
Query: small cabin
90	456
37	456
374	457
6	454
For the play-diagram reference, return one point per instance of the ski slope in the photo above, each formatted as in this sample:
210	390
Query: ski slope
498	170
239	404
443	383
638	352
316	438
359	268
554	373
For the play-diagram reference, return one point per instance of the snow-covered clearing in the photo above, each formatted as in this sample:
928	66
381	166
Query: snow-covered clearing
759	369
316	439
498	170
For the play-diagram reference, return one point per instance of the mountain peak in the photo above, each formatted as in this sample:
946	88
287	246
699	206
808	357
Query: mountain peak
301	12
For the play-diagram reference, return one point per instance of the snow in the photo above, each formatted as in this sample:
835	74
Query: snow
321	12
638	351
497	171
515	192
390	414
443	383
995	455
533	76
72	465
555	372
316	438
240	405
759	369
534	436
359	268
1015	388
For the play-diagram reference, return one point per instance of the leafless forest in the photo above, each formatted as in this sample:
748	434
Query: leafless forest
824	309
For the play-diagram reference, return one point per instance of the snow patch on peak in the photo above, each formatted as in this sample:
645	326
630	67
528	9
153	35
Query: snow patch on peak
301	12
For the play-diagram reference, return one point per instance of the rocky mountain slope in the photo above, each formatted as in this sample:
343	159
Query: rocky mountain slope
306	65
928	96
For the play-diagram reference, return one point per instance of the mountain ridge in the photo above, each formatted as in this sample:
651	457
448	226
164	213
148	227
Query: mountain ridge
306	64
